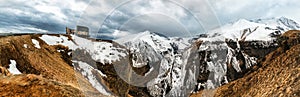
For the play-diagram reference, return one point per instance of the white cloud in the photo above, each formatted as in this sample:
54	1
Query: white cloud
53	10
231	10
22	29
118	33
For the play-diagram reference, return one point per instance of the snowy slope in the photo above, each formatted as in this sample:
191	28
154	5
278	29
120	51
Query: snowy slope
13	68
154	39
260	29
103	52
88	72
159	43
181	43
158	46
100	51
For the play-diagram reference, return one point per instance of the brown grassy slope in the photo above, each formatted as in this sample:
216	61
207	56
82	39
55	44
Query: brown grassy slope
35	86
46	61
279	74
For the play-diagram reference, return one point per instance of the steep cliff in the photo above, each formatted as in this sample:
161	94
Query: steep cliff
277	74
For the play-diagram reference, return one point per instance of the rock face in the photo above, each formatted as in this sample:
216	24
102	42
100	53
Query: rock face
251	30
233	50
277	73
160	58
221	62
247	54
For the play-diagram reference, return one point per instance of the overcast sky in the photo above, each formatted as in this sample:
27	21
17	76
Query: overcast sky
107	17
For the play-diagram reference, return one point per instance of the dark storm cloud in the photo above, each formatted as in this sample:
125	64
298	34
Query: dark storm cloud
106	16
10	20
35	17
155	23
114	21
156	16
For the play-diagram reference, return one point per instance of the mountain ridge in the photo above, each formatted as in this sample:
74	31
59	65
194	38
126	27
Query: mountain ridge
259	29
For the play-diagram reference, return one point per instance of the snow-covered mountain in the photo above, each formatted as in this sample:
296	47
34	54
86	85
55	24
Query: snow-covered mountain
205	65
258	29
149	47
159	41
283	22
232	49
225	55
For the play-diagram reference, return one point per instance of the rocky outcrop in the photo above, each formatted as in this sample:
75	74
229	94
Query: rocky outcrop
115	75
222	62
277	73
247	54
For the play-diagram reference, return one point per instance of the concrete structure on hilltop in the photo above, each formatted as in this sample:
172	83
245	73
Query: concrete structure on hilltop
82	31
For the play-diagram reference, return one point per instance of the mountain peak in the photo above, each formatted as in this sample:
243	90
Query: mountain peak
279	21
146	35
244	22
289	23
256	29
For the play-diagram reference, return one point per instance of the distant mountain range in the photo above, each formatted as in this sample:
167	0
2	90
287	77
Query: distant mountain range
258	29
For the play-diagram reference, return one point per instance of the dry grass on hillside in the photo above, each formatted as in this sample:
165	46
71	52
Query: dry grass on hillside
35	86
46	62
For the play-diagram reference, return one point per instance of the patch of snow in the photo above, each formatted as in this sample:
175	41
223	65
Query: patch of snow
210	84
60	50
102	74
182	43
54	40
151	69
13	68
103	52
86	70
249	60
36	43
106	53
25	46
69	53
